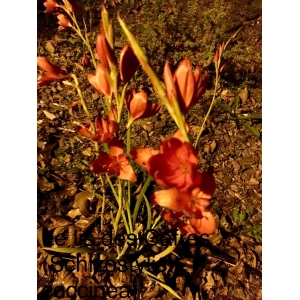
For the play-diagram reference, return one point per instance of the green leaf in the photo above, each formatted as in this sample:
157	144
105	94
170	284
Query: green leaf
73	170
255	231
237	102
255	116
242	217
253	130
235	215
225	107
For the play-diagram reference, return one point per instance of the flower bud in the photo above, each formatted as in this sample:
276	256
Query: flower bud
85	61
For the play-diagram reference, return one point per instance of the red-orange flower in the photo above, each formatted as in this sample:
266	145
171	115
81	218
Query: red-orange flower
174	165
128	63
115	163
185	86
142	155
190	210
138	105
72	6
51	6
105	130
104	51
63	22
192	202
52	72
101	81
204	225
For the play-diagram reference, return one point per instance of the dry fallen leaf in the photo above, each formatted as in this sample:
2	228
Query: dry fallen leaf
244	94
50	47
82	201
44	185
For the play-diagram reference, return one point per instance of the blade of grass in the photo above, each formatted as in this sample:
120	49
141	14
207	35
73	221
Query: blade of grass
165	286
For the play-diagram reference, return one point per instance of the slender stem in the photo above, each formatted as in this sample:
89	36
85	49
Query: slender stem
128	202
148	213
78	31
208	112
82	102
140	198
112	187
103	202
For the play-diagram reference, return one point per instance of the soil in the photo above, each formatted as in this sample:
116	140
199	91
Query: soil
229	264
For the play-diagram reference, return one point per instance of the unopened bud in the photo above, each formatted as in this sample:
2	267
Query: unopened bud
85	61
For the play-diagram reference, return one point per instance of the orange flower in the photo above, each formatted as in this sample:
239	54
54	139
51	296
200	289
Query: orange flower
138	105
72	6
115	163
190	210
101	81
128	63
63	22
192	202
52	72
185	86
204	225
105	130
105	53
51	6
142	155
174	166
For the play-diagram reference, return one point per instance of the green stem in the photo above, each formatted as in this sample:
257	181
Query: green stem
112	187
78	31
209	110
140	198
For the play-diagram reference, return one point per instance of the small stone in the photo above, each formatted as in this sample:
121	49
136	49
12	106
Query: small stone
87	152
253	181
95	96
227	179
49	115
147	128
49	47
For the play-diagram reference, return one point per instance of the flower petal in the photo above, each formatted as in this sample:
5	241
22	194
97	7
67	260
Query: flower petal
137	104
169	82
169	199
100	81
205	225
128	63
175	166
142	155
127	173
185	84
116	147
105	163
